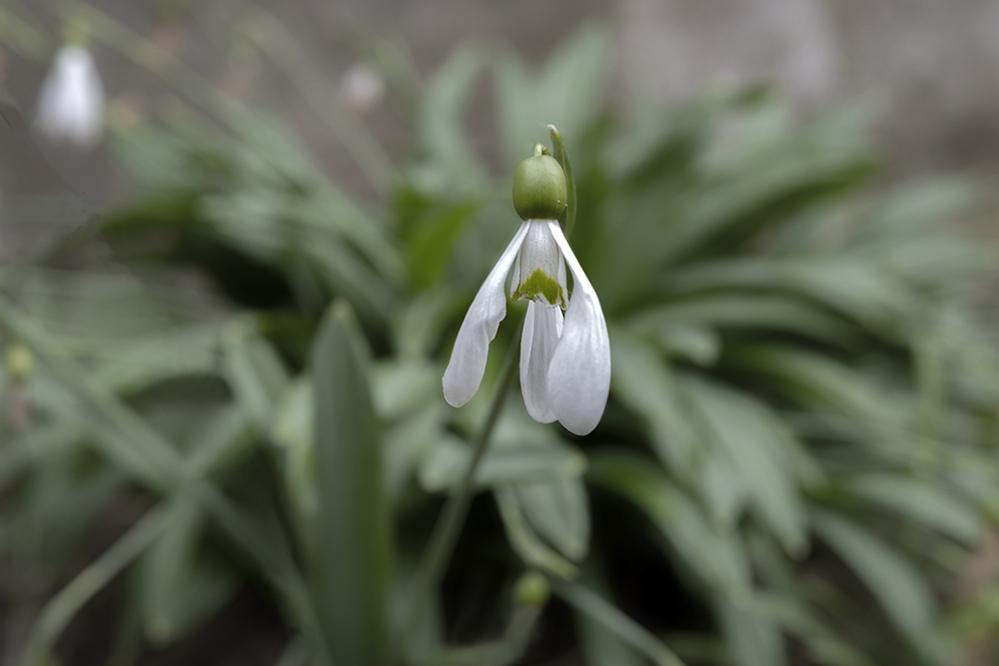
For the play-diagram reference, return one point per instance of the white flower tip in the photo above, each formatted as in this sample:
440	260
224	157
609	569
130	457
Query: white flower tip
458	389
362	88
71	101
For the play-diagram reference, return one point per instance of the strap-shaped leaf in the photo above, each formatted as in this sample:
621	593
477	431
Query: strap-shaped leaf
351	573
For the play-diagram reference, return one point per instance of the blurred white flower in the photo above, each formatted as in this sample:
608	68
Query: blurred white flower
564	360
71	101
362	88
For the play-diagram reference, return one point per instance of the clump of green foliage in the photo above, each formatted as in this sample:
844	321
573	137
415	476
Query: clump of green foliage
796	461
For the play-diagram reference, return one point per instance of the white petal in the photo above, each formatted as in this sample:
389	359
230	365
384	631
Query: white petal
541	331
71	101
580	370
468	358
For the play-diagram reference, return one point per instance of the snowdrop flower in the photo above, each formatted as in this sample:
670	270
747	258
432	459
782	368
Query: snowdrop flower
362	88
71	101
564	359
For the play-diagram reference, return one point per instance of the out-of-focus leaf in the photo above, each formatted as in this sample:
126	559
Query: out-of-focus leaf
715	557
698	344
902	592
160	357
352	576
528	463
255	373
177	590
745	311
822	643
819	383
642	381
875	297
525	542
294	432
451	164
910	210
408	442
920	500
400	388
617	622
560	512
750	436
752	638
434	236
421	322
601	646
566	93
63	606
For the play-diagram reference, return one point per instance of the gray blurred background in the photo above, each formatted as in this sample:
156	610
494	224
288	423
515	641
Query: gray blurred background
929	68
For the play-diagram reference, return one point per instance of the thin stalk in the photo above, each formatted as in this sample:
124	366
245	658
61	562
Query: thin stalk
438	554
58	612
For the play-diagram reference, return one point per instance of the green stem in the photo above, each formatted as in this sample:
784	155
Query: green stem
448	527
63	606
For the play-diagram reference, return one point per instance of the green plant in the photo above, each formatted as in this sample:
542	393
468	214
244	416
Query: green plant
801	418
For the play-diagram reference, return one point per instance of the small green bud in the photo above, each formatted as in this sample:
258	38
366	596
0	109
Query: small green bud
539	191
19	362
531	590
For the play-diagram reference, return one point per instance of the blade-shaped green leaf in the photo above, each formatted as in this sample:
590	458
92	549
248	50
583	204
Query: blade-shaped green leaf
902	592
352	574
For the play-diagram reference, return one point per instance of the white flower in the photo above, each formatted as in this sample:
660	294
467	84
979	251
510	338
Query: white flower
564	361
362	87
71	101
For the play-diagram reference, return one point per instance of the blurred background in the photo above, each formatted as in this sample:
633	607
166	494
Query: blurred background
787	206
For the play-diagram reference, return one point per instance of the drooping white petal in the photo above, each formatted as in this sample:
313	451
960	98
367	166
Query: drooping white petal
580	370
471	348
542	327
71	101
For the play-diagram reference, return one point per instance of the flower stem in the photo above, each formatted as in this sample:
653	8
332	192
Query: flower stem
438	554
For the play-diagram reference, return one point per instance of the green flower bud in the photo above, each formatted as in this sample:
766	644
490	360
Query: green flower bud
539	191
19	362
531	590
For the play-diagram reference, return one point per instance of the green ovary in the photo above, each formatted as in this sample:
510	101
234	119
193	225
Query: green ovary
540	283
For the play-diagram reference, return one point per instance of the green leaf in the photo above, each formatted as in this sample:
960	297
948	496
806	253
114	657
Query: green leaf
746	311
753	439
451	165
255	373
921	500
61	608
902	592
567	92
822	385
716	557
400	388
643	382
560	512
525	542
599	645
752	638
513	465
177	589
617	622
822	643
352	575
433	240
